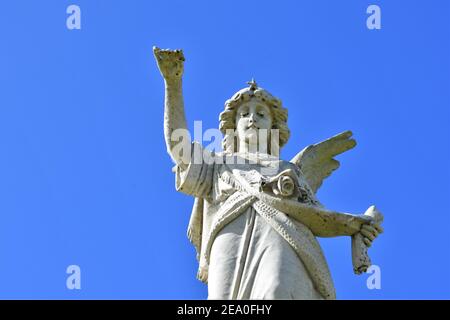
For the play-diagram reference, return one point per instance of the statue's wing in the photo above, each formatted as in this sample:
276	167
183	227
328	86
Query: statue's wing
316	161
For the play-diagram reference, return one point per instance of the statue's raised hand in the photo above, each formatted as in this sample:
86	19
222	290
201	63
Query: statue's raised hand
170	63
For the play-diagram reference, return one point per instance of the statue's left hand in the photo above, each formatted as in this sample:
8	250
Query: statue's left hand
371	225
370	232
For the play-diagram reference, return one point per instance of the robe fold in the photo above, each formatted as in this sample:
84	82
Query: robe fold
246	247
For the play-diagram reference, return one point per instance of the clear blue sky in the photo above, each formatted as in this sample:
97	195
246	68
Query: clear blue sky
84	174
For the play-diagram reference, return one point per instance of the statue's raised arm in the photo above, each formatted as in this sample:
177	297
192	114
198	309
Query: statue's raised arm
170	64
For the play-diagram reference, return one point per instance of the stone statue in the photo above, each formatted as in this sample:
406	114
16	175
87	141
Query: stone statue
255	217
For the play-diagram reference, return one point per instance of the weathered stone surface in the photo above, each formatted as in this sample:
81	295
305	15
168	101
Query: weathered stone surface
255	217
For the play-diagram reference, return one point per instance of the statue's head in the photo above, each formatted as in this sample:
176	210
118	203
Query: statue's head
248	111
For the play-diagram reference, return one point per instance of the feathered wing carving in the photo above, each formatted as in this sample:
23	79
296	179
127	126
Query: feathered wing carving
316	161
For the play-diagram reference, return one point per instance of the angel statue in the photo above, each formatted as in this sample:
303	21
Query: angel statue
255	217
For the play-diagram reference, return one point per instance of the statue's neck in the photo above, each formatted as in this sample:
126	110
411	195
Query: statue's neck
251	148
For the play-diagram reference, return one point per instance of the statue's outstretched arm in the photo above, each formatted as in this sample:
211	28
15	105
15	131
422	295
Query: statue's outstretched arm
323	222
170	63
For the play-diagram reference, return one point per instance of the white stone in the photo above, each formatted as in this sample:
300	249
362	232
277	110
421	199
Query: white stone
255	217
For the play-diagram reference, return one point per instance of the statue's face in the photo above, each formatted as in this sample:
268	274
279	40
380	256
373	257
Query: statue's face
252	116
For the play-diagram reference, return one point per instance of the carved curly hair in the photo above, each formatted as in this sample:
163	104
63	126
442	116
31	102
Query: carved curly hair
227	118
